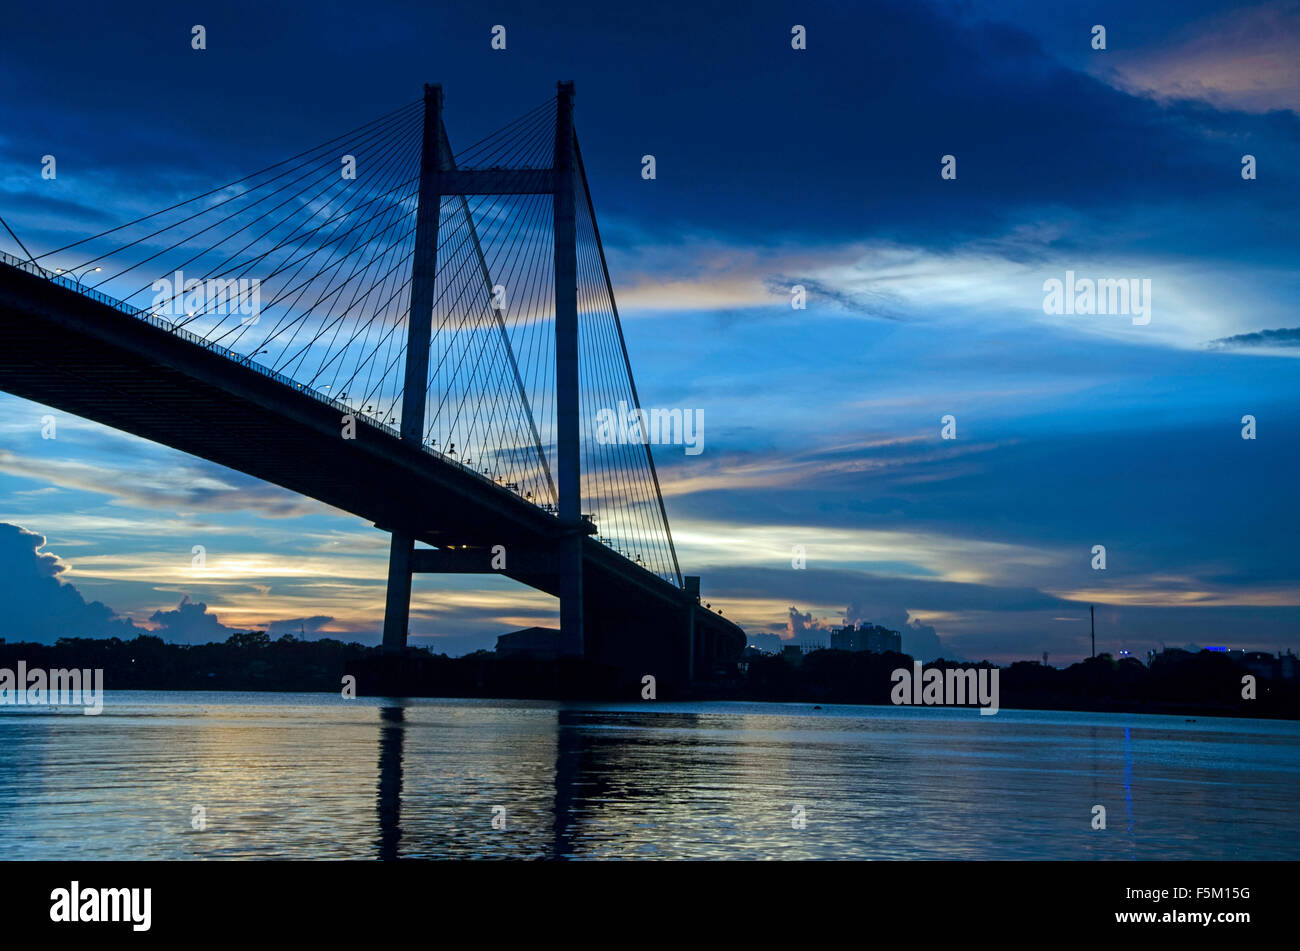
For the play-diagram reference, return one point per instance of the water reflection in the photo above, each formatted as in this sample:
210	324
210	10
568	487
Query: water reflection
1128	789
391	720
568	767
296	776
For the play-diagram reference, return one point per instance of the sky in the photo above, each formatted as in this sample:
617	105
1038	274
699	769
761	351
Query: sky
775	167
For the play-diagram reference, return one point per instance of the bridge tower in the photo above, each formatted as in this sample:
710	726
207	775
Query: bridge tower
566	376
439	177
424	265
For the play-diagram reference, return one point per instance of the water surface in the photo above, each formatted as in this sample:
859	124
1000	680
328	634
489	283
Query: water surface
315	776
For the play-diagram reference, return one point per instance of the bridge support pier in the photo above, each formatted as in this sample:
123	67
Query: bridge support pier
572	636
397	605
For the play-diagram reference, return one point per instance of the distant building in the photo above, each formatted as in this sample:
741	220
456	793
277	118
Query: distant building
868	637
1267	667
1261	664
539	643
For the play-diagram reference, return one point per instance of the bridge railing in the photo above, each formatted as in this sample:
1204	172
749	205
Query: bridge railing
181	332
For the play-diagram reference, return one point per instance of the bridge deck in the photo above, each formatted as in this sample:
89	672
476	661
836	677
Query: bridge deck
84	356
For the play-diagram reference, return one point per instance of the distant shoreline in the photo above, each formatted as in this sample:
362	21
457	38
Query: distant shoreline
649	705
1175	683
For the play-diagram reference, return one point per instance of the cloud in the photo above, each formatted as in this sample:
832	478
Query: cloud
922	641
191	486
991	283
298	626
902	552
806	629
868	303
1244	60
1282	337
819	465
752	595
37	606
190	623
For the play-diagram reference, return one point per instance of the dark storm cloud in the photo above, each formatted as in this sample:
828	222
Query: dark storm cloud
845	138
190	623
38	606
874	596
1282	337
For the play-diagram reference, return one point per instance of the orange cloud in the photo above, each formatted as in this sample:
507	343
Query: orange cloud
1242	60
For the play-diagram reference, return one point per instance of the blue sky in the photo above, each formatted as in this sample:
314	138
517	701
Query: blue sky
775	167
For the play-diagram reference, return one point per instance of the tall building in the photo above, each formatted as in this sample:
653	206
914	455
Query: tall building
539	643
868	637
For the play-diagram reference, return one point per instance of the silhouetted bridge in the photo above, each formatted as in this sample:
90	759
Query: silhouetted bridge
415	336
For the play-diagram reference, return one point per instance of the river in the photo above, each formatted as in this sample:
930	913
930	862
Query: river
310	776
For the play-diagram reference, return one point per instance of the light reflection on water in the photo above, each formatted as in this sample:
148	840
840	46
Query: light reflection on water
314	776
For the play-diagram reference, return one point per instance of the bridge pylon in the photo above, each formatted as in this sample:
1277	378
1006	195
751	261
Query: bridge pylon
424	266
440	177
566	377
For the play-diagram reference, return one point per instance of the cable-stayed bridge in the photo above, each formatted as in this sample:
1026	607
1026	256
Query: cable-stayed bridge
420	336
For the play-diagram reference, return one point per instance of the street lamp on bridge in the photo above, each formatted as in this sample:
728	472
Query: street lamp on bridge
75	276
